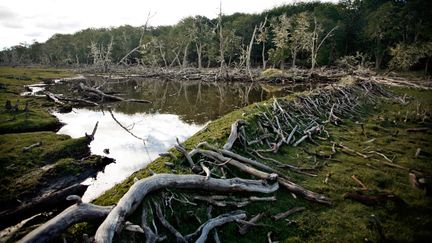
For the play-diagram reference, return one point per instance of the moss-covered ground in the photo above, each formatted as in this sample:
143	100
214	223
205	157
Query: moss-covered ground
380	128
23	173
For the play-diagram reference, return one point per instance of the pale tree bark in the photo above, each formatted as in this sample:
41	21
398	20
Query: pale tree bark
221	43
162	53
136	194
262	38
316	43
185	53
294	57
249	51
79	212
122	60
199	47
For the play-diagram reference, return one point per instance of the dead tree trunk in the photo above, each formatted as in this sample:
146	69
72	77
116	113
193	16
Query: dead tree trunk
249	51
48	202
291	186
132	199
234	134
110	97
185	54
79	212
215	222
199	48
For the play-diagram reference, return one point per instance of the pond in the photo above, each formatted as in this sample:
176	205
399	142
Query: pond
178	110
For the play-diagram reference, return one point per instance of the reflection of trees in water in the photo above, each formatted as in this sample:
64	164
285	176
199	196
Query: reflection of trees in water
198	96
193	101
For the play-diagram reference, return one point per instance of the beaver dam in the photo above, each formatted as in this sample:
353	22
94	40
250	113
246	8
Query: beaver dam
256	160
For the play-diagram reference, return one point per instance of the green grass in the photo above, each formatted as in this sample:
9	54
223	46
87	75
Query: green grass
12	81
22	173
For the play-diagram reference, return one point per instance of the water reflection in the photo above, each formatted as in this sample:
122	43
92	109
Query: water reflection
159	131
179	109
193	101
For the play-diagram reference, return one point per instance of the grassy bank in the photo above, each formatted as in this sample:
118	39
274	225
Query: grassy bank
381	128
24	174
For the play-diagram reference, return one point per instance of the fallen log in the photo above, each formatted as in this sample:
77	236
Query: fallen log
79	212
48	202
28	148
245	228
59	100
179	237
131	200
151	237
54	98
291	186
110	97
243	159
234	134
358	181
215	222
287	213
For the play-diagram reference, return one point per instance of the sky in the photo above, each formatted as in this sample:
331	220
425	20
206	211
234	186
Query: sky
28	20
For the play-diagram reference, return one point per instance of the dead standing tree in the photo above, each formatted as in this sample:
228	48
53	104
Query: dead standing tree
249	51
316	42
144	29
223	67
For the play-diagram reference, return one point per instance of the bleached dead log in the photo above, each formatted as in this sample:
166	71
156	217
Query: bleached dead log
248	160
221	202
47	202
206	170
358	181
73	214
234	134
215	222
245	228
151	237
291	186
168	226
215	233
28	148
183	150
59	99
8	233
169	155
287	213
110	97
133	227
54	98
130	201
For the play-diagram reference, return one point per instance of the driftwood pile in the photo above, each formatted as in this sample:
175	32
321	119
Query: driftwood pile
88	96
231	74
282	123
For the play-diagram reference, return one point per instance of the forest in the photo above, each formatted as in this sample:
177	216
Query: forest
307	122
383	34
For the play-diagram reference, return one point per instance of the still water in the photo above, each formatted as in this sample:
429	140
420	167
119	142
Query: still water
179	110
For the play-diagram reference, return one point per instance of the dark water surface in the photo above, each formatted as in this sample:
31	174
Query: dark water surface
179	110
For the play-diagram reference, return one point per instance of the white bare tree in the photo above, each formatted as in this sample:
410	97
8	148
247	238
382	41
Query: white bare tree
316	41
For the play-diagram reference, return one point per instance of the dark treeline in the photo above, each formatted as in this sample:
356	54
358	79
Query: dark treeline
379	33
